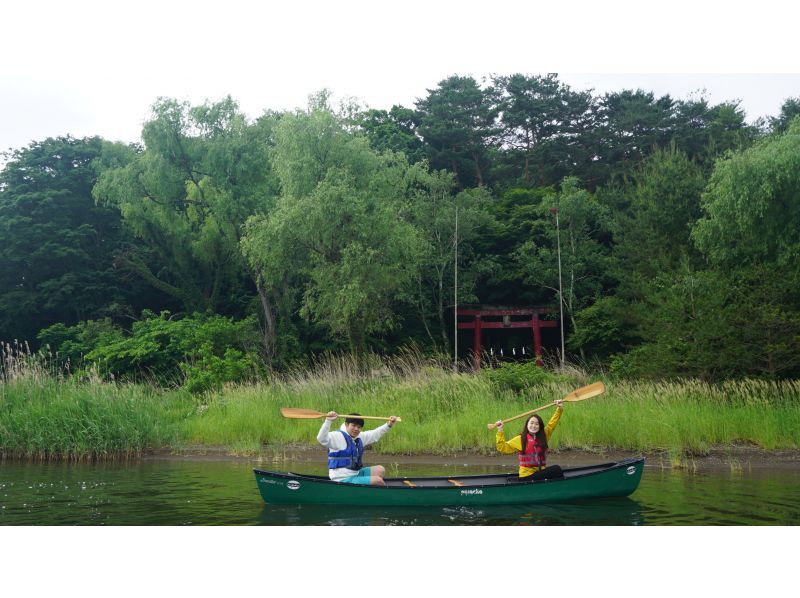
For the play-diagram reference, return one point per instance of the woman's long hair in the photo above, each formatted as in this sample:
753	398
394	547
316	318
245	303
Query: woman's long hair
540	435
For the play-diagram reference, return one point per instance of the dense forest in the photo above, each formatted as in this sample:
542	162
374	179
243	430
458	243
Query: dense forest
222	247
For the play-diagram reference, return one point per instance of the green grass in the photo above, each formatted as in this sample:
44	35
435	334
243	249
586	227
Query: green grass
56	419
444	412
44	416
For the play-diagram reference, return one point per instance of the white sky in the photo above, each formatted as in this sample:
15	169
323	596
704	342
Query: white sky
94	68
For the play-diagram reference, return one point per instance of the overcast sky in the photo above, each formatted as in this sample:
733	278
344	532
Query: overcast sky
94	68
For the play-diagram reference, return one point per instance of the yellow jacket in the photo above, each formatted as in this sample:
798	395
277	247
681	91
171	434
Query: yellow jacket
515	444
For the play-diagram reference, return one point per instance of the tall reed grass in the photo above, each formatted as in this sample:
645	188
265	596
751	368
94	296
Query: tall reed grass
57	419
444	412
45	414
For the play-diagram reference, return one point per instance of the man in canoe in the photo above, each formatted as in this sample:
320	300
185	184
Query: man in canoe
531	445
346	450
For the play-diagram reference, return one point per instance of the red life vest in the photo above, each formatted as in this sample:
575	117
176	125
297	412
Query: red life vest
535	454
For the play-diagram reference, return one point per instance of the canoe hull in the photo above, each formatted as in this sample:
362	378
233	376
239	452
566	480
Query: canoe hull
599	481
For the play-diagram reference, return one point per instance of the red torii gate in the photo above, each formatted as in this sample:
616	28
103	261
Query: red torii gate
479	323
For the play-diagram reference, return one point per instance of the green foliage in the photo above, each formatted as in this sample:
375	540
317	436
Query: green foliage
718	325
517	217
790	109
349	234
520	376
687	328
582	234
393	131
442	412
456	120
198	349
204	170
539	119
603	328
653	235
211	372
336	240
72	343
433	208
752	205
56	245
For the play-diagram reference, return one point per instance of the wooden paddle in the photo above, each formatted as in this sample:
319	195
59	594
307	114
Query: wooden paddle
296	413
581	394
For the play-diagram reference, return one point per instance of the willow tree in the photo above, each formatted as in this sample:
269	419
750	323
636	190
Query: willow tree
202	172
337	239
750	231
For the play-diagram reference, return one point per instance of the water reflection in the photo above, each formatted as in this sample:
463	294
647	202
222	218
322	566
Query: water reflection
611	511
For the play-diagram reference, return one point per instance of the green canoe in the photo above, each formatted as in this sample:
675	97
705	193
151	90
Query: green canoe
595	481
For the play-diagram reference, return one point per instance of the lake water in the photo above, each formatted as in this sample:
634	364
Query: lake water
223	492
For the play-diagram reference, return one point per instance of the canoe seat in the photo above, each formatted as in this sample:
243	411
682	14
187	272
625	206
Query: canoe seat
456	482
409	483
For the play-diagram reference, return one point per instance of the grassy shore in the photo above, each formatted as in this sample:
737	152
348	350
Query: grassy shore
57	419
46	417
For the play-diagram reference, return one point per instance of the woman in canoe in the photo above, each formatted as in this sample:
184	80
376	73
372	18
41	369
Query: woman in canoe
531	445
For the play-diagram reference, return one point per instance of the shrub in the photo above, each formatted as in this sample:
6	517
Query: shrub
519	376
210	371
204	349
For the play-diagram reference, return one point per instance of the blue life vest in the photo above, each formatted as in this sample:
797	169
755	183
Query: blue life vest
349	457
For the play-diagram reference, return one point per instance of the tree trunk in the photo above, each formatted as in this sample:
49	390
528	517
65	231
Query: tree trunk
422	314
442	325
478	172
269	332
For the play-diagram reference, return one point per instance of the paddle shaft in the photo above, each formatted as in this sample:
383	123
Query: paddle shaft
581	394
362	417
296	413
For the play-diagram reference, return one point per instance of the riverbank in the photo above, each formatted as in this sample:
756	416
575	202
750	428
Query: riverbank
444	413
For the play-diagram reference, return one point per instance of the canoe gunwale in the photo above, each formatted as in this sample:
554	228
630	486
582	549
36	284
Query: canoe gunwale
510	479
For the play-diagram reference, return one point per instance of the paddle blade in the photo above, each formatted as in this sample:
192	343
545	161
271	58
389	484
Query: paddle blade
296	413
586	392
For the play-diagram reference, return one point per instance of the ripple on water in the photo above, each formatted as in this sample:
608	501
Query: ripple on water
225	493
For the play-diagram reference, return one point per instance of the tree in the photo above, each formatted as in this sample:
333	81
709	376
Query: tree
653	233
56	254
203	171
432	210
737	313
540	119
394	130
752	205
336	235
719	324
457	123
705	132
515	218
790	109
584	225
632	124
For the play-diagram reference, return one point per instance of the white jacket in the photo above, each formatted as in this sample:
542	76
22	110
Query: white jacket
334	441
